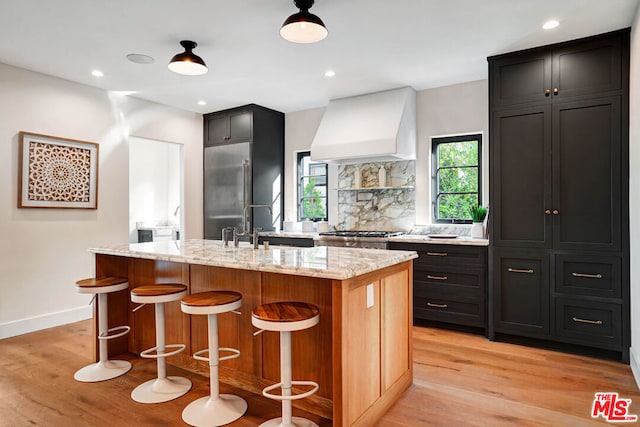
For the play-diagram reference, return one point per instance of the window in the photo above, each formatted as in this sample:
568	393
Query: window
312	188
457	175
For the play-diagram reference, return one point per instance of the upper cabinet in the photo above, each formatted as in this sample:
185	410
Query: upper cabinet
584	67
228	127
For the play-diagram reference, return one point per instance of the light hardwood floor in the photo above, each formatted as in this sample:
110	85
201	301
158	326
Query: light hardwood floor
459	380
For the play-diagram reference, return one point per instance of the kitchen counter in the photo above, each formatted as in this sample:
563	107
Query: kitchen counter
360	353
423	238
319	261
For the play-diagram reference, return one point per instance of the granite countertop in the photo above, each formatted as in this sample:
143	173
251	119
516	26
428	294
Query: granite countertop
319	261
423	238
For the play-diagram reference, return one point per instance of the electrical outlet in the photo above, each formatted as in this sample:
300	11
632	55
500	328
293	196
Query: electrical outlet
370	295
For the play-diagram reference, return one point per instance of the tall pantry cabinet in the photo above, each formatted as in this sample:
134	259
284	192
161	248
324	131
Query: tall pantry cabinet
559	223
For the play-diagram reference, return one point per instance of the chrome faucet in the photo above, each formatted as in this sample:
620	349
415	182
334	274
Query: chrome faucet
245	220
246	226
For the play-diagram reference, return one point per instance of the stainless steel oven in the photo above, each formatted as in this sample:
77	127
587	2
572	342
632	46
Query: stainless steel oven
356	239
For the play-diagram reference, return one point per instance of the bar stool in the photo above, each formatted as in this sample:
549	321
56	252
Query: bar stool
162	388
104	369
286	317
216	409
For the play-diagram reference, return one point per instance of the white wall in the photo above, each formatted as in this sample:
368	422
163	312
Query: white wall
446	111
634	192
44	251
154	183
450	110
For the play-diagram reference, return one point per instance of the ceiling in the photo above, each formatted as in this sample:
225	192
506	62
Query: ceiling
372	45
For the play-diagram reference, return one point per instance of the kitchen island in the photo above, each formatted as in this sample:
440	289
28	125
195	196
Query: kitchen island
360	353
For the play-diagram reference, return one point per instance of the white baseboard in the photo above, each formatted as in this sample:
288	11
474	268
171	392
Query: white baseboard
45	321
635	366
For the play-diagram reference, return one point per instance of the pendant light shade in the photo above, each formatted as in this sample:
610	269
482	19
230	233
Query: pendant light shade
303	27
187	62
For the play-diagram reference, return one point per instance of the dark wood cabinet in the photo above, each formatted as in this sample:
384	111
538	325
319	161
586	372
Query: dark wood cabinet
300	242
559	221
521	288
521	190
594	65
230	186
228	127
449	283
586	157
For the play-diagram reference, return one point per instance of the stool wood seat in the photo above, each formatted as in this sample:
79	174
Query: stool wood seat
162	388
211	302
104	369
216	409
286	317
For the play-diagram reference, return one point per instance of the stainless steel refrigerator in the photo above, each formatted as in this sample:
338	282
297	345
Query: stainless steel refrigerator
227	182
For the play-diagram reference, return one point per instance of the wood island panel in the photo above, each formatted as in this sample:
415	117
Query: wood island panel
310	348
359	355
234	330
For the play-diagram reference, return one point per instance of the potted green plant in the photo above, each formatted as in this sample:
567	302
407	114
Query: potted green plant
478	214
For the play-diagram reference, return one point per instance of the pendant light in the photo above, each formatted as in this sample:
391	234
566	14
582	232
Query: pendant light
303	27
187	62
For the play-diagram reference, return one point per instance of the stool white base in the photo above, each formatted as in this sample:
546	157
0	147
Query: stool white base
295	422
102	371
160	390
208	412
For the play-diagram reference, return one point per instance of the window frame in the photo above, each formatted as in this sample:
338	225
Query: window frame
435	169
300	155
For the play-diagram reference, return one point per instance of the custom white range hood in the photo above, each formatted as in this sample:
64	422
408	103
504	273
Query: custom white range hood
375	127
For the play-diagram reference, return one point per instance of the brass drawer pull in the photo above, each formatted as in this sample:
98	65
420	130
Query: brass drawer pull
591	322
437	253
588	276
436	277
430	304
515	270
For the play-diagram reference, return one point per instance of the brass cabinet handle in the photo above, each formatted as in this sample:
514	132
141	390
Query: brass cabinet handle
547	92
437	253
556	212
548	211
588	276
555	90
436	277
591	322
430	304
515	270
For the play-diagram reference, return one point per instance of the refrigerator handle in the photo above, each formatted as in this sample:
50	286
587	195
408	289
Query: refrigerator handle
245	191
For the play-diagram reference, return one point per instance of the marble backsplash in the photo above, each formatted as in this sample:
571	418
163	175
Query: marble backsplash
366	203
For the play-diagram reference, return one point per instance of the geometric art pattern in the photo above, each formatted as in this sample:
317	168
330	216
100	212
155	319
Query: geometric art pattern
58	173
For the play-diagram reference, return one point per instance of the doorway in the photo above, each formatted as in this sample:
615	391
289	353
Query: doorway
155	190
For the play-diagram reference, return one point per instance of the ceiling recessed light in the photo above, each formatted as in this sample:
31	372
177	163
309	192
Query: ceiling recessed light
202	102
330	73
552	23
97	73
139	58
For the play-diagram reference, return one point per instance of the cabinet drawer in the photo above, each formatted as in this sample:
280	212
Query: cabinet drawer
459	277
588	275
451	292
444	310
591	322
442	255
